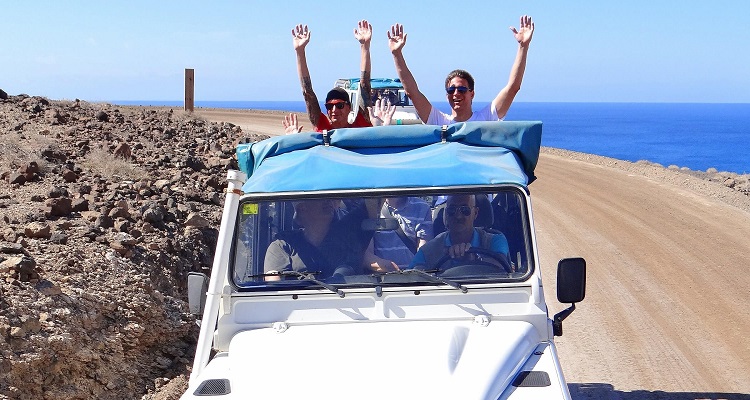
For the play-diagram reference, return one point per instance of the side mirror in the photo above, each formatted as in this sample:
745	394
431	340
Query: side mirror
197	287
571	288
571	280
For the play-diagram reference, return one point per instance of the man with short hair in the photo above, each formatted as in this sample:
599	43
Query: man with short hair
460	213
338	104
327	244
459	84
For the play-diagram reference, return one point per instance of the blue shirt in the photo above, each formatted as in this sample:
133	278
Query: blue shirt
415	219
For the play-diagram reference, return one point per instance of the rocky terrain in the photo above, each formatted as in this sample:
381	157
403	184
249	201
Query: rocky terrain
104	210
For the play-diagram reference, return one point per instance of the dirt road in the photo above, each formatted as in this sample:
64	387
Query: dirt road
665	314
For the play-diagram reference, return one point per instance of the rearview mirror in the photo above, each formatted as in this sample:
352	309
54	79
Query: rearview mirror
571	280
379	224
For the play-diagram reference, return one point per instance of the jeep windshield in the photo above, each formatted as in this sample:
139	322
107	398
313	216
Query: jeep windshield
338	241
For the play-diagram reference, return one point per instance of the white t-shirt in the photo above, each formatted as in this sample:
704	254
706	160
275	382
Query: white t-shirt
488	113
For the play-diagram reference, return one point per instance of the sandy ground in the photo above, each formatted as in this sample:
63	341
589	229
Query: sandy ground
665	314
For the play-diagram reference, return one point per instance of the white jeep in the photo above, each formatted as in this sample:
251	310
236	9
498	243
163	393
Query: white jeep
295	307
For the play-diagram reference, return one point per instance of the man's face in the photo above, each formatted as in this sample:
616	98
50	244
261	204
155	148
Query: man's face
460	213
459	100
317	211
338	113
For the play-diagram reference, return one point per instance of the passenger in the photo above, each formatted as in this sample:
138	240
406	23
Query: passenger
393	251
326	244
337	102
382	112
460	235
459	84
291	125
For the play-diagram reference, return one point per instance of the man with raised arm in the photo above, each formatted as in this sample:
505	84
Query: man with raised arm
338	104
459	84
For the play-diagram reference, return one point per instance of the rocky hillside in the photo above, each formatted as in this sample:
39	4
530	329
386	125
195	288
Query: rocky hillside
104	210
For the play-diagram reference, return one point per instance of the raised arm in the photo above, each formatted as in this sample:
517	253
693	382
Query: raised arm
300	39
523	35
290	124
363	34
396	42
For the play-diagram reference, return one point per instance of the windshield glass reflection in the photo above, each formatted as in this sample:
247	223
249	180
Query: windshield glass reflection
373	241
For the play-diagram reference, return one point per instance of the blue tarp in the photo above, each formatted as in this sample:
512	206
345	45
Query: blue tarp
396	156
378	83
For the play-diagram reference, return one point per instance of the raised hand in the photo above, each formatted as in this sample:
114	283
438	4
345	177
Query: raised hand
363	32
300	36
290	124
396	38
382	111
525	31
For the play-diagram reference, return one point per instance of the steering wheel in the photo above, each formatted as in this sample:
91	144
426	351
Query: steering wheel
500	258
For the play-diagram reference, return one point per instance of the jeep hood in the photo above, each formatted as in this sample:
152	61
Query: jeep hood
429	360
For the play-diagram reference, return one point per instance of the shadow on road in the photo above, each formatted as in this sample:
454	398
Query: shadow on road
605	391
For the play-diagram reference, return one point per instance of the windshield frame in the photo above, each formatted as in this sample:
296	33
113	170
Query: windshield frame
377	280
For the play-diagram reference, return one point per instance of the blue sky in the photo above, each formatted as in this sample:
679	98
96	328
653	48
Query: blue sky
582	51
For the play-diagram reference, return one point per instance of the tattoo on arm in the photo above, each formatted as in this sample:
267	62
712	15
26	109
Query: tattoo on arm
311	100
365	91
365	88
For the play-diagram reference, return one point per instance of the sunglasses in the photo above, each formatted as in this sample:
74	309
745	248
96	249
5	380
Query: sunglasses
452	210
339	106
461	89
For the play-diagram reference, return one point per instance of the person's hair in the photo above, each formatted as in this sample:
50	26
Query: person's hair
460	73
337	93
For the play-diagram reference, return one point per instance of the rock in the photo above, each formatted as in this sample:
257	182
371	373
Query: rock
59	238
10	235
47	288
121	225
194	163
57	191
54	154
79	205
90	216
16	178
37	230
125	239
31	167
103	221
196	221
22	268
154	214
11	248
119	212
17	332
123	151
161	184
69	176
59	207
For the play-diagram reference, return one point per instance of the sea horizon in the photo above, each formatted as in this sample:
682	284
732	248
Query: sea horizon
698	136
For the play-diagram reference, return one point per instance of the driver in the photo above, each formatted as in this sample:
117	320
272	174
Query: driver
460	213
326	245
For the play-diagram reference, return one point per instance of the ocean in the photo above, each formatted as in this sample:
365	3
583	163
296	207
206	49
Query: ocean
696	136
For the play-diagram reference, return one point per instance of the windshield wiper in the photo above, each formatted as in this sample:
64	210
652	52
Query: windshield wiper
432	277
310	278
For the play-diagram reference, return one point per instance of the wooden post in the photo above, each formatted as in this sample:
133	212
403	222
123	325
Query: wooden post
189	89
